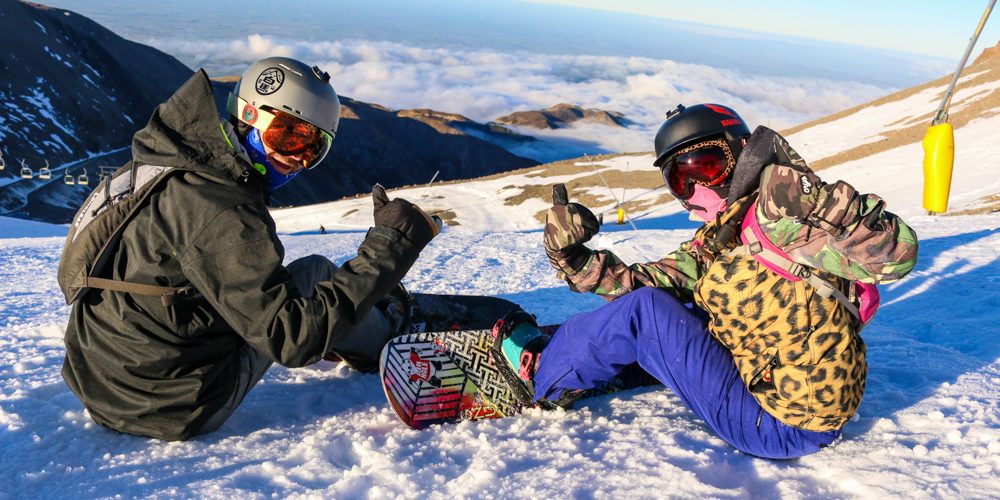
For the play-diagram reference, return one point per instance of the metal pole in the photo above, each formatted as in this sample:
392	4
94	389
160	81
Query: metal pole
436	172
428	185
612	191
942	112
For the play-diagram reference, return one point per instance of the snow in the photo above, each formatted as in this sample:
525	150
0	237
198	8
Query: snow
478	206
53	55
91	68
19	228
43	105
869	124
929	425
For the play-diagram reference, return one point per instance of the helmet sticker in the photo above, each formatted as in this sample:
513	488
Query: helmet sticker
270	81
718	109
249	114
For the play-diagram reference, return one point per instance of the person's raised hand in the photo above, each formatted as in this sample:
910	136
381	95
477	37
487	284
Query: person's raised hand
568	224
412	222
567	227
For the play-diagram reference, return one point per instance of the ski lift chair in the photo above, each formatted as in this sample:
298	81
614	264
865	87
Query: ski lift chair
105	171
26	173
45	172
82	179
69	179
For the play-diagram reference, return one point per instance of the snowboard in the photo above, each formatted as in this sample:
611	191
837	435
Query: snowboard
437	313
446	377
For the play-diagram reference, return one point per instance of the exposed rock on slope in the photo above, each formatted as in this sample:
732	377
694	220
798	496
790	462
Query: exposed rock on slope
989	53
563	115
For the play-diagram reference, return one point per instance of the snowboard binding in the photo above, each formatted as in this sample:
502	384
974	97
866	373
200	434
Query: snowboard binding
517	350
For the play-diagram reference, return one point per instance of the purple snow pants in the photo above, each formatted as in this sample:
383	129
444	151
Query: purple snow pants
653	328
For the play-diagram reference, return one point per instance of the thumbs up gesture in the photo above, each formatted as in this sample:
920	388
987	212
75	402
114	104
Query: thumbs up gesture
405	217
567	227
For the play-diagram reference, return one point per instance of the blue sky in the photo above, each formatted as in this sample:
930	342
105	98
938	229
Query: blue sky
547	28
933	27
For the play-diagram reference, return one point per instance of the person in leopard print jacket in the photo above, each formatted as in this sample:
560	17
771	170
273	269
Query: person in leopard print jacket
755	322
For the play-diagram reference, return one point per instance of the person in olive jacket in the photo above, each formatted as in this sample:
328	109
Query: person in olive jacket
173	372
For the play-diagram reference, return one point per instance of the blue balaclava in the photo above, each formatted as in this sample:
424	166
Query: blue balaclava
255	148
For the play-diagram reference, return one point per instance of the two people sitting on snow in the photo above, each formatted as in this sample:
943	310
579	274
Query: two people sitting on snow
755	322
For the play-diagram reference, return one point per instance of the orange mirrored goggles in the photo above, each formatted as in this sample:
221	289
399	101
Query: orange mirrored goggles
287	134
291	136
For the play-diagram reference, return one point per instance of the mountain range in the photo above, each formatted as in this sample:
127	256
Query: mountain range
76	93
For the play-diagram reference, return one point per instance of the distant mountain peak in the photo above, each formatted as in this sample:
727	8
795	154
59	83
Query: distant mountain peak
563	115
453	123
424	113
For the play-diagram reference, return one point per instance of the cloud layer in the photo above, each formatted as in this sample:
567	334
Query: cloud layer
486	84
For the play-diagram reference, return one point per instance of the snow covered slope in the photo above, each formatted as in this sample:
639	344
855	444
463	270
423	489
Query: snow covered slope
929	426
875	146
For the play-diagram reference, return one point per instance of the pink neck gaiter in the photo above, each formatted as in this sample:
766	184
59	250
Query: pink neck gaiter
705	203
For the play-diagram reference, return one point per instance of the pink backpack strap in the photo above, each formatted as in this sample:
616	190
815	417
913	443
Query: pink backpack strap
757	245
764	251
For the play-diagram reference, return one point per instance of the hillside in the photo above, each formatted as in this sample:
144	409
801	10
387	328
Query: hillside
76	93
899	119
563	115
71	90
71	87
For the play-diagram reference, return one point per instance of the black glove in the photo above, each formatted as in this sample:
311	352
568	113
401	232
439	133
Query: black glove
567	227
405	217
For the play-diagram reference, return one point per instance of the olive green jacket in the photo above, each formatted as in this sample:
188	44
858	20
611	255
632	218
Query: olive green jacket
143	368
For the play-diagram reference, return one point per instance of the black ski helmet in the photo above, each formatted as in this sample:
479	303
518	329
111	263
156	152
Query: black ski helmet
688	125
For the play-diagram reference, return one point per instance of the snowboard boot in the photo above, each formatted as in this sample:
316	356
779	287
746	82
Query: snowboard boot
517	351
521	342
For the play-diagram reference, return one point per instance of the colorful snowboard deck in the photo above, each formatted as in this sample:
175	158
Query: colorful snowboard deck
446	377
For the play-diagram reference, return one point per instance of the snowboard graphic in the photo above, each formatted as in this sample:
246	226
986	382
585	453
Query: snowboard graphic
443	377
446	377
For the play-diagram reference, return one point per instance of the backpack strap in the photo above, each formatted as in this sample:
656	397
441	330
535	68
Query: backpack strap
756	245
96	232
759	251
168	294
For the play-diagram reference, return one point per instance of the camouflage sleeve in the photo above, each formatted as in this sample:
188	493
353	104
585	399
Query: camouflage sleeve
833	227
606	275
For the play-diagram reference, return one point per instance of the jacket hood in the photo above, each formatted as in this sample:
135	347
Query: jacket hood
186	132
764	147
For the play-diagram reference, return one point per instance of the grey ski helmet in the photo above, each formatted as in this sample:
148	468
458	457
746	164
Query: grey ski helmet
689	125
284	84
